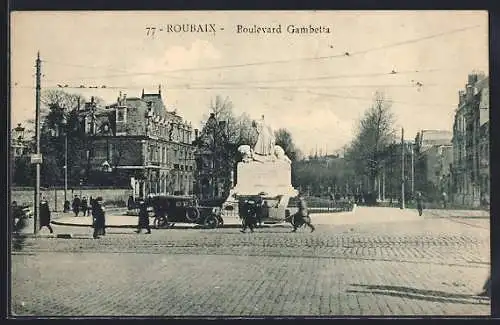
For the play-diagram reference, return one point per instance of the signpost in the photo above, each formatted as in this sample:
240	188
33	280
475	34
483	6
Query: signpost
36	158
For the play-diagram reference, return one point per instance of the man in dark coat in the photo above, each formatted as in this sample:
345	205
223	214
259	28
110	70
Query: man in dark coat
84	206
143	218
45	215
420	203
76	205
249	215
98	215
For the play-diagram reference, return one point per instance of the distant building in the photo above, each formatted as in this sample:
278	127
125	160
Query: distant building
435	157
470	173
136	142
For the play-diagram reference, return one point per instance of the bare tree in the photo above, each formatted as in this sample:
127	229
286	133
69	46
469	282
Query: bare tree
374	132
284	139
62	99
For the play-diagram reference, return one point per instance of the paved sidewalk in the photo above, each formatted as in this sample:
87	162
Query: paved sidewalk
361	215
127	221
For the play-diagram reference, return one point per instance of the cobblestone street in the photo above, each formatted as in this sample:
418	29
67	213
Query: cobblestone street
430	266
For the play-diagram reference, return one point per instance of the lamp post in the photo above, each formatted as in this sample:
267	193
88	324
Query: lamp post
402	169
65	123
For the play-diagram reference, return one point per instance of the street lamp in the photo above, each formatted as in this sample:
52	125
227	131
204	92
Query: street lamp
65	124
57	133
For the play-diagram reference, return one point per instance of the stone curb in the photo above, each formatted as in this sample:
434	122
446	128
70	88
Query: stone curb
194	226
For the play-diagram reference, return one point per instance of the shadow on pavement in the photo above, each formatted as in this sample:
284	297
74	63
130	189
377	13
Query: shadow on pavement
420	294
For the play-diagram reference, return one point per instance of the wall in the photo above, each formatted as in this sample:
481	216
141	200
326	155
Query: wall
25	196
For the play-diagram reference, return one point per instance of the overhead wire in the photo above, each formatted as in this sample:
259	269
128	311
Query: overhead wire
251	64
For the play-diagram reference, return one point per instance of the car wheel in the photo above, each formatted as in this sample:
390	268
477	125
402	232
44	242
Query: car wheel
192	214
161	222
211	222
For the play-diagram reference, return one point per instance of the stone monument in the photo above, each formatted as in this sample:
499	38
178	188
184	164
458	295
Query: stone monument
264	170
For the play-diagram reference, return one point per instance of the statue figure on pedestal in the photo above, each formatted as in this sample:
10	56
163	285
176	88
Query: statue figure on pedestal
265	140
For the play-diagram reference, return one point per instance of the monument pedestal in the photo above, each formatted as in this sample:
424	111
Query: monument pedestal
267	178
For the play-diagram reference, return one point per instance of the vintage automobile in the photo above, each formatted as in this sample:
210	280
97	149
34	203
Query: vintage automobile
20	214
170	209
267	209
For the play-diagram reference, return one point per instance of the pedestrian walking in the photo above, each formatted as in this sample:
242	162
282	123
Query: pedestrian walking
249	216
76	205
143	218
99	218
45	215
130	203
420	203
84	206
444	199
67	206
302	216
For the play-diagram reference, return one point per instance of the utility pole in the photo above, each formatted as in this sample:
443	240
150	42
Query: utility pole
383	183
412	170
65	167
402	169
37	137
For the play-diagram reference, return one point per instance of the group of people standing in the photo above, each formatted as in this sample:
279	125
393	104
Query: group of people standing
80	205
94	207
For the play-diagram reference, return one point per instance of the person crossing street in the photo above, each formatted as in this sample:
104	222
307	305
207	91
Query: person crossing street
250	216
302	216
420	203
45	215
99	217
143	218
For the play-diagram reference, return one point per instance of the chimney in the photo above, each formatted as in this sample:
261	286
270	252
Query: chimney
159	90
469	92
142	93
196	134
472	79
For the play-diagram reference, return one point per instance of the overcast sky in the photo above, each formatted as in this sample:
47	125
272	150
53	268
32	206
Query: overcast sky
319	92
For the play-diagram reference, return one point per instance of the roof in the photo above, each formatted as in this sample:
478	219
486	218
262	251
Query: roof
156	103
483	83
430	138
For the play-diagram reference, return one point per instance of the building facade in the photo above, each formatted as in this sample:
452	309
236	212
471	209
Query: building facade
215	174
136	142
434	158
470	137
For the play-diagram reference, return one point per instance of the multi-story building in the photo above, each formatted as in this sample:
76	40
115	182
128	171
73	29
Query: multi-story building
214	176
469	137
484	147
435	156
136	142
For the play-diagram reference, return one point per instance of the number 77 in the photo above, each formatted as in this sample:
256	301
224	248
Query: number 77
150	31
